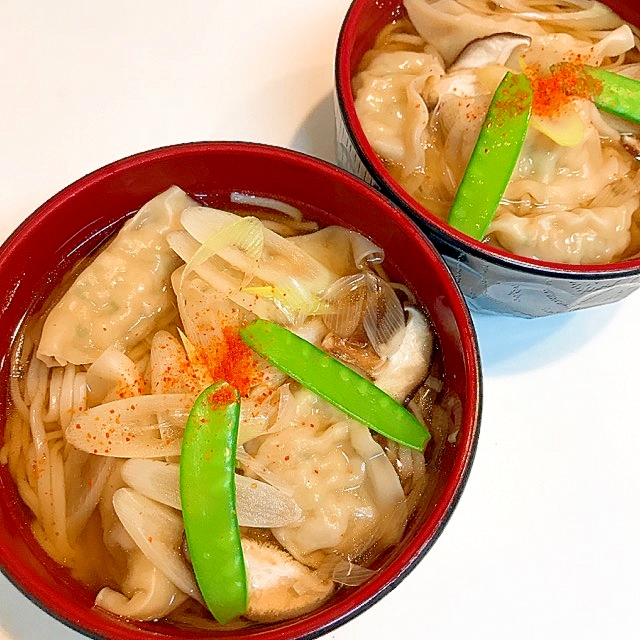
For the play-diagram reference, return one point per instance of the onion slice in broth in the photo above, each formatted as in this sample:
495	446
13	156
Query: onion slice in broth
258	504
364	299
157	530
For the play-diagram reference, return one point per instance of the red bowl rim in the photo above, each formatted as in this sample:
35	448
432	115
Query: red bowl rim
75	615
437	228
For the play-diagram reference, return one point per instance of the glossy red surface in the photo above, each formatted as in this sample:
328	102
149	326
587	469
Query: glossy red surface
76	220
492	280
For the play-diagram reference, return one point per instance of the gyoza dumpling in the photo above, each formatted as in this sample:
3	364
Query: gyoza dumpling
102	308
449	25
351	498
390	105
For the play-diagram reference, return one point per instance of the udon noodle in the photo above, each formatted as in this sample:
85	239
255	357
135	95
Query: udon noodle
103	381
421	97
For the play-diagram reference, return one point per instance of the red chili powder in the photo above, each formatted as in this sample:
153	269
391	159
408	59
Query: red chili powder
511	107
222	397
566	82
181	377
233	362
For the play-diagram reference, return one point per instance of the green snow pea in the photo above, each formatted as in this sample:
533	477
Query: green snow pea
616	94
494	156
335	382
502	135
208	496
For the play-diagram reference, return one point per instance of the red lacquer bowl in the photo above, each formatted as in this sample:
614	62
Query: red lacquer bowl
77	219
492	280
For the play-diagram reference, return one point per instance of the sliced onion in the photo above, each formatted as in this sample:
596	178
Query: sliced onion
366	299
258	504
259	470
350	574
168	364
383	318
157	531
261	505
112	374
198	365
155	479
148	426
83	496
346	300
268	203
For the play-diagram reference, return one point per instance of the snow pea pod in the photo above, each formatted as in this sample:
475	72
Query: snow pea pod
207	493
616	94
494	156
335	382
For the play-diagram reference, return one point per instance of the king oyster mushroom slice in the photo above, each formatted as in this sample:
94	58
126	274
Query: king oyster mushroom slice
632	144
404	370
493	49
280	587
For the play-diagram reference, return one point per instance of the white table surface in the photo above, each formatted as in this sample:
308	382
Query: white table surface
545	540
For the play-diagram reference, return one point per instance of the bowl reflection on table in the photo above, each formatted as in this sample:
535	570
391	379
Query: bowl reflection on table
78	219
493	280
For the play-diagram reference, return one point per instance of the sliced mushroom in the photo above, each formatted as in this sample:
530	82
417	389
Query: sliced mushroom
404	370
632	144
493	49
280	587
363	358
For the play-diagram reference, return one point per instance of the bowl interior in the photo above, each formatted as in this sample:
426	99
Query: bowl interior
362	23
75	221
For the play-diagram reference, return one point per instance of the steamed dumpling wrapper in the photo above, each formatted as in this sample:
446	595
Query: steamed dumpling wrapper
101	309
147	594
450	24
590	192
390	106
350	495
